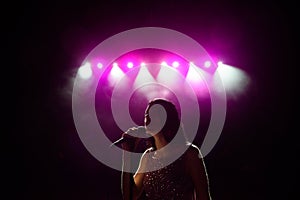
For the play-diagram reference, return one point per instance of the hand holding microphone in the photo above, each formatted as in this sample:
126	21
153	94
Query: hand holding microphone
131	138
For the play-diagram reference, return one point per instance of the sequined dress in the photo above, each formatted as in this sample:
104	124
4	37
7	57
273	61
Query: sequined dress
168	183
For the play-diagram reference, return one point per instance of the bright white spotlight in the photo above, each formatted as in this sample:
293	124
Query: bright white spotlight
192	74
129	64
164	63
115	64
85	71
143	76
165	77
198	78
143	64
175	64
99	65
192	64
207	64
234	80
116	72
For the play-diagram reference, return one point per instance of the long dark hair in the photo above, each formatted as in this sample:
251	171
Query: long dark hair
173	124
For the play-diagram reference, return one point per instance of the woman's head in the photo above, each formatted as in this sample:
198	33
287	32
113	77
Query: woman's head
161	116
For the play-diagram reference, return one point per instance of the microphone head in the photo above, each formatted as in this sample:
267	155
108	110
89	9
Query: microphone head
138	132
119	141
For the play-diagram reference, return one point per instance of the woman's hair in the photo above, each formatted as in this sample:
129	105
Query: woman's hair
172	124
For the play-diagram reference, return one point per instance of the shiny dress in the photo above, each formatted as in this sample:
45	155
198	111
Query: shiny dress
168	183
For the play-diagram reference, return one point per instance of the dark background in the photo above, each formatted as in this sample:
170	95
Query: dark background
255	157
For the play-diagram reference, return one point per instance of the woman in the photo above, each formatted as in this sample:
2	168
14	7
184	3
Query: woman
155	178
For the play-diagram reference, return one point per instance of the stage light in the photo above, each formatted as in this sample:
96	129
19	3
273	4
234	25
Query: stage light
85	71
191	64
143	64
99	65
198	79
143	76
168	76
164	63
175	64
192	74
129	64
116	72
115	64
207	64
234	80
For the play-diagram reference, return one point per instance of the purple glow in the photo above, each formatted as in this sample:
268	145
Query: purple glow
154	66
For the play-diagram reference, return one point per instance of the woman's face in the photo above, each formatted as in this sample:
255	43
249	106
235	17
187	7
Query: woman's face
155	118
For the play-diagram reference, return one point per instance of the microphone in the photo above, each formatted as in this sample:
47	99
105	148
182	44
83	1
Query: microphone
119	141
138	132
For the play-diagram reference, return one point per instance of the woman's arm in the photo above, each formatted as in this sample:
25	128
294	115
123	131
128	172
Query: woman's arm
132	186
197	171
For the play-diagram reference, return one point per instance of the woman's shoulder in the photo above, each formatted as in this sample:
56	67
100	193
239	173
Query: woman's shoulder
193	151
150	149
147	152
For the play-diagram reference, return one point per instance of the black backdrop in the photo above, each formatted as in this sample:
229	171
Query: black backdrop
47	41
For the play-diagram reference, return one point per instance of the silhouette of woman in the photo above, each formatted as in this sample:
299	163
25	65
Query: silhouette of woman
185	178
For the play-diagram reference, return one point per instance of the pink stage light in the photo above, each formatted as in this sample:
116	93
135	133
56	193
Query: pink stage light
130	65
207	64
99	65
175	64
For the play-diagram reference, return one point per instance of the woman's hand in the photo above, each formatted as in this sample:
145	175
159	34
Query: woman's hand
130	142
